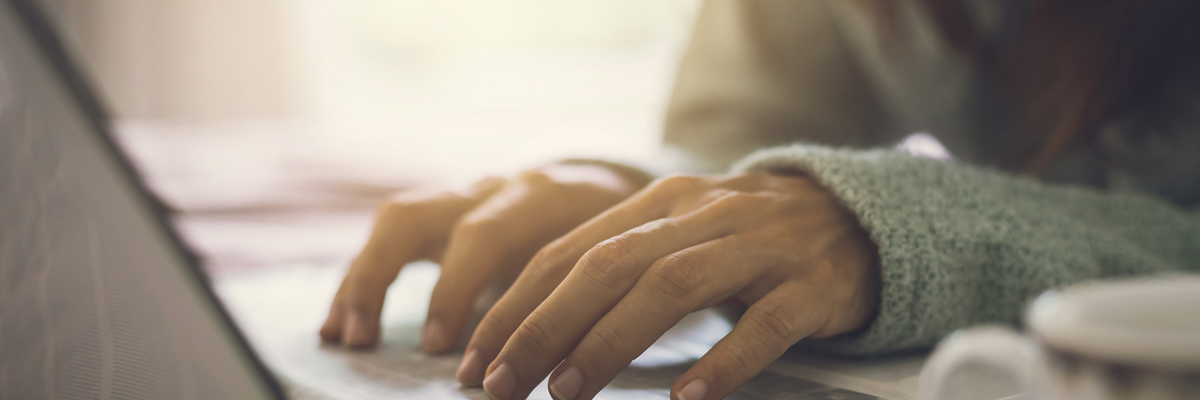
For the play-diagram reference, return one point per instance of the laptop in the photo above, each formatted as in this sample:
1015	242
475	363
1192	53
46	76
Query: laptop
100	299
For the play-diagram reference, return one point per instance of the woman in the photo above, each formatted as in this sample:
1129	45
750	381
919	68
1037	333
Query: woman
1071	124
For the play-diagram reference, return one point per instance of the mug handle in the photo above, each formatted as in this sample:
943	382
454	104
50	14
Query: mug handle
998	347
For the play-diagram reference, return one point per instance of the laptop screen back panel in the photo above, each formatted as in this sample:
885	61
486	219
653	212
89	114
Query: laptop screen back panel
97	298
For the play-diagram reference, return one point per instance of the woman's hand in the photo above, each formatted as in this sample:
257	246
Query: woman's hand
478	235
592	301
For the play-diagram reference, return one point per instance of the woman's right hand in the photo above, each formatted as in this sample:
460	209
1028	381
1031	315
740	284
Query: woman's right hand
483	234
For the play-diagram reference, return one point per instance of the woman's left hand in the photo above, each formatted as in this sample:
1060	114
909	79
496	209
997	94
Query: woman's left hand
593	300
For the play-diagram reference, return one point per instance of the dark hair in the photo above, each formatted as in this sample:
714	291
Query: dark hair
1077	61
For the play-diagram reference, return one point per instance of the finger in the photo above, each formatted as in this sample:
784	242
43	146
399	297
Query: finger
546	204
544	272
407	228
765	331
553	262
671	288
354	315
501	231
599	280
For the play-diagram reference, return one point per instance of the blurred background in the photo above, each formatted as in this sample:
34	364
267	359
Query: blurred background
275	126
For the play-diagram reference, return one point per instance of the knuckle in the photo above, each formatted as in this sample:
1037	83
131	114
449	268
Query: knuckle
606	264
543	261
547	262
536	177
775	323
607	342
359	304
739	200
535	334
397	204
677	182
416	199
678	276
474	227
494	323
744	180
741	358
364	281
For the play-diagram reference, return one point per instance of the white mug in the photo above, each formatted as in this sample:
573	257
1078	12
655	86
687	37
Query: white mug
1133	339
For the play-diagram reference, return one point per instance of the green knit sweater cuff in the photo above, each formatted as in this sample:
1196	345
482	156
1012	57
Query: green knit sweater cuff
864	181
962	245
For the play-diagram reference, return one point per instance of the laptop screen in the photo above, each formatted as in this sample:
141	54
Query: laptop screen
97	298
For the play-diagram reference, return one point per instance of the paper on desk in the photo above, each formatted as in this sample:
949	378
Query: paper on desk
281	311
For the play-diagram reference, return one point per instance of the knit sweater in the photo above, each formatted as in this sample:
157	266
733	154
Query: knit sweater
960	242
961	245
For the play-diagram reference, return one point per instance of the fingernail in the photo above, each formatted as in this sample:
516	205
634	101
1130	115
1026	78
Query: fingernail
356	333
694	390
567	385
501	384
470	372
435	336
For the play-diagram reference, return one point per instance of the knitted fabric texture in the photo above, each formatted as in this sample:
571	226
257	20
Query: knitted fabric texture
961	245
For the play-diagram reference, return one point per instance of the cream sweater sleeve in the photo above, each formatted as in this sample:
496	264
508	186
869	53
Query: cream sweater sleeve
764	73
